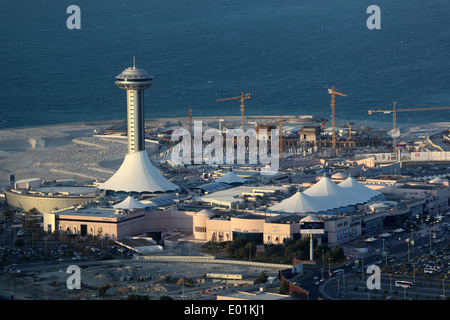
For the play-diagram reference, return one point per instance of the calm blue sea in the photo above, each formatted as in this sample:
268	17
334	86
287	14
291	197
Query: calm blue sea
286	54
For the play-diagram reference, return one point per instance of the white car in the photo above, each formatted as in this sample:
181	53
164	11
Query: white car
21	233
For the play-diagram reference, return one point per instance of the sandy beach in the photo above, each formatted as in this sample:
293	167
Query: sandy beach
74	151
66	151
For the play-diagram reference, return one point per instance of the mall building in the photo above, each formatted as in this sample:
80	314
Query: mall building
345	216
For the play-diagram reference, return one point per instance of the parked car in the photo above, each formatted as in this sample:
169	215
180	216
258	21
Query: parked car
22	233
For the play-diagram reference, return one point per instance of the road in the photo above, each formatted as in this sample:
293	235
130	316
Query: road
398	251
355	288
355	283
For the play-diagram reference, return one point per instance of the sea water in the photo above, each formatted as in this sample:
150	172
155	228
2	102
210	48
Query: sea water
286	54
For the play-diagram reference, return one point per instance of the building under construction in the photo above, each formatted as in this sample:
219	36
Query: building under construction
311	136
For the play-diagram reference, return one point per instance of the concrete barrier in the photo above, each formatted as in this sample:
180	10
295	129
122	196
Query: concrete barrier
209	259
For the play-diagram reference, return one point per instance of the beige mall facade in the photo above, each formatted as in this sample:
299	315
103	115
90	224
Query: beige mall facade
261	228
114	224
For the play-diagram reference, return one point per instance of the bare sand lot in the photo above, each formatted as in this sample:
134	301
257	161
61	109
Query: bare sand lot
122	278
66	151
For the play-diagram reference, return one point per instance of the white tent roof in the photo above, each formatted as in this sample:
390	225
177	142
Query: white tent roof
129	203
137	174
298	203
436	180
230	178
339	175
333	195
358	188
310	218
325	196
384	235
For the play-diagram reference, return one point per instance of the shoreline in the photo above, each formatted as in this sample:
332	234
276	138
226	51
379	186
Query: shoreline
74	151
373	124
370	123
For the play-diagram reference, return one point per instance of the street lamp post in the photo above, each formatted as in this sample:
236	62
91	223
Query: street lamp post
329	268
338	286
390	283
323	259
408	252
362	268
343	281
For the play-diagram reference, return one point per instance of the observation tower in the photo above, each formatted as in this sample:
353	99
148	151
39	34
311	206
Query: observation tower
136	174
135	81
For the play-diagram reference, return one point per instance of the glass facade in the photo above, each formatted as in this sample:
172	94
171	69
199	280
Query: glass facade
254	237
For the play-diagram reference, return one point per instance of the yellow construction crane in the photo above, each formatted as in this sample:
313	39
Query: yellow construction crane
242	97
394	119
333	120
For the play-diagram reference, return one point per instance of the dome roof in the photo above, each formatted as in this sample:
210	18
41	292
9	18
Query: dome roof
205	213
310	218
134	78
134	74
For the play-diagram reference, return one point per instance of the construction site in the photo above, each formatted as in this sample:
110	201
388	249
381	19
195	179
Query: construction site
312	137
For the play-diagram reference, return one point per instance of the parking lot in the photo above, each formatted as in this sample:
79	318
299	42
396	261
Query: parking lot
24	241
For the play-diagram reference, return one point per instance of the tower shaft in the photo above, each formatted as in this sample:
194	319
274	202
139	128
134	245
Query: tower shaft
135	120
